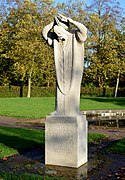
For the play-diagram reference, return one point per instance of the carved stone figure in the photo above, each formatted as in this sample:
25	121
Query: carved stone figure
69	58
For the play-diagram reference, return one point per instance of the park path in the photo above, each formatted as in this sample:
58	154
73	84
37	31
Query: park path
21	122
113	133
99	166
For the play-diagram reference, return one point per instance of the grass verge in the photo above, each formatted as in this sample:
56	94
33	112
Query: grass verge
92	137
26	107
42	106
102	103
16	140
117	148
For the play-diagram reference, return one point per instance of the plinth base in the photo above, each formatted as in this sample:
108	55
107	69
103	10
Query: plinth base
66	141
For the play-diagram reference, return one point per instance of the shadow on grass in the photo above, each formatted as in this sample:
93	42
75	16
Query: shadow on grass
20	142
115	101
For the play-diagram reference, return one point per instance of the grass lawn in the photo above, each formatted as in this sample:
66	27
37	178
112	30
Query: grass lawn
95	136
102	103
26	107
118	147
16	140
42	106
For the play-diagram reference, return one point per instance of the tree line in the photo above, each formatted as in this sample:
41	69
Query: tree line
25	58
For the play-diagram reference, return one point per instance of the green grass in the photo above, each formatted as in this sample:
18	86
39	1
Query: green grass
26	107
118	147
102	103
13	176
42	106
92	137
16	140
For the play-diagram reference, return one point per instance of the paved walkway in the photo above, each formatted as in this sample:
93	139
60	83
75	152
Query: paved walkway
115	133
21	122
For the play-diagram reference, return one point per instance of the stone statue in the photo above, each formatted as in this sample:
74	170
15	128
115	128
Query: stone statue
69	58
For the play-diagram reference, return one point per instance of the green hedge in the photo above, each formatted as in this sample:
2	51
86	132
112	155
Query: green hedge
14	91
101	92
97	92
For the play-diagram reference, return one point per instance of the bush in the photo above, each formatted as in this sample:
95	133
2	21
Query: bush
121	92
91	91
14	91
42	91
101	92
97	92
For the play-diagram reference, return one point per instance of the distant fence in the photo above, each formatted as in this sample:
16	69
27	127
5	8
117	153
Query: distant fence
14	91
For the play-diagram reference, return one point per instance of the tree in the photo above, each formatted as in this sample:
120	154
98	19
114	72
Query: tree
27	49
24	54
120	68
102	22
5	63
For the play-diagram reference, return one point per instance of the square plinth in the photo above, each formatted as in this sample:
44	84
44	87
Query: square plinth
66	141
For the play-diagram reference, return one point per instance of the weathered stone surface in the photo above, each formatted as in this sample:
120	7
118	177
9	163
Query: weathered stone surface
66	141
66	128
69	58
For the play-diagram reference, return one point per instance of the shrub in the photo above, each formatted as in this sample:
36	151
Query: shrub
97	92
14	91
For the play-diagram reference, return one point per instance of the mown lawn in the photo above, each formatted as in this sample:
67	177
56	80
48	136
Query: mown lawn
95	136
42	106
102	103
16	140
26	107
118	147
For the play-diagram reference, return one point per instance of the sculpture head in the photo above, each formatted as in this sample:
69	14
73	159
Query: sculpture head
61	24
61	21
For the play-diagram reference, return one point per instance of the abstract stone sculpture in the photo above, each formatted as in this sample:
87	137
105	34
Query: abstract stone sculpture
69	57
66	128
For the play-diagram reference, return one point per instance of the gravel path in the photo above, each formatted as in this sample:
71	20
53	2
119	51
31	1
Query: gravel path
112	133
21	122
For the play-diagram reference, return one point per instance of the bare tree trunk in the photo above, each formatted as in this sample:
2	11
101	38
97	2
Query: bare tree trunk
21	88
29	85
48	83
117	84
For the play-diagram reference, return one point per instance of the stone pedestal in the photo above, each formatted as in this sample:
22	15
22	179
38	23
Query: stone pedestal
67	173
66	141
